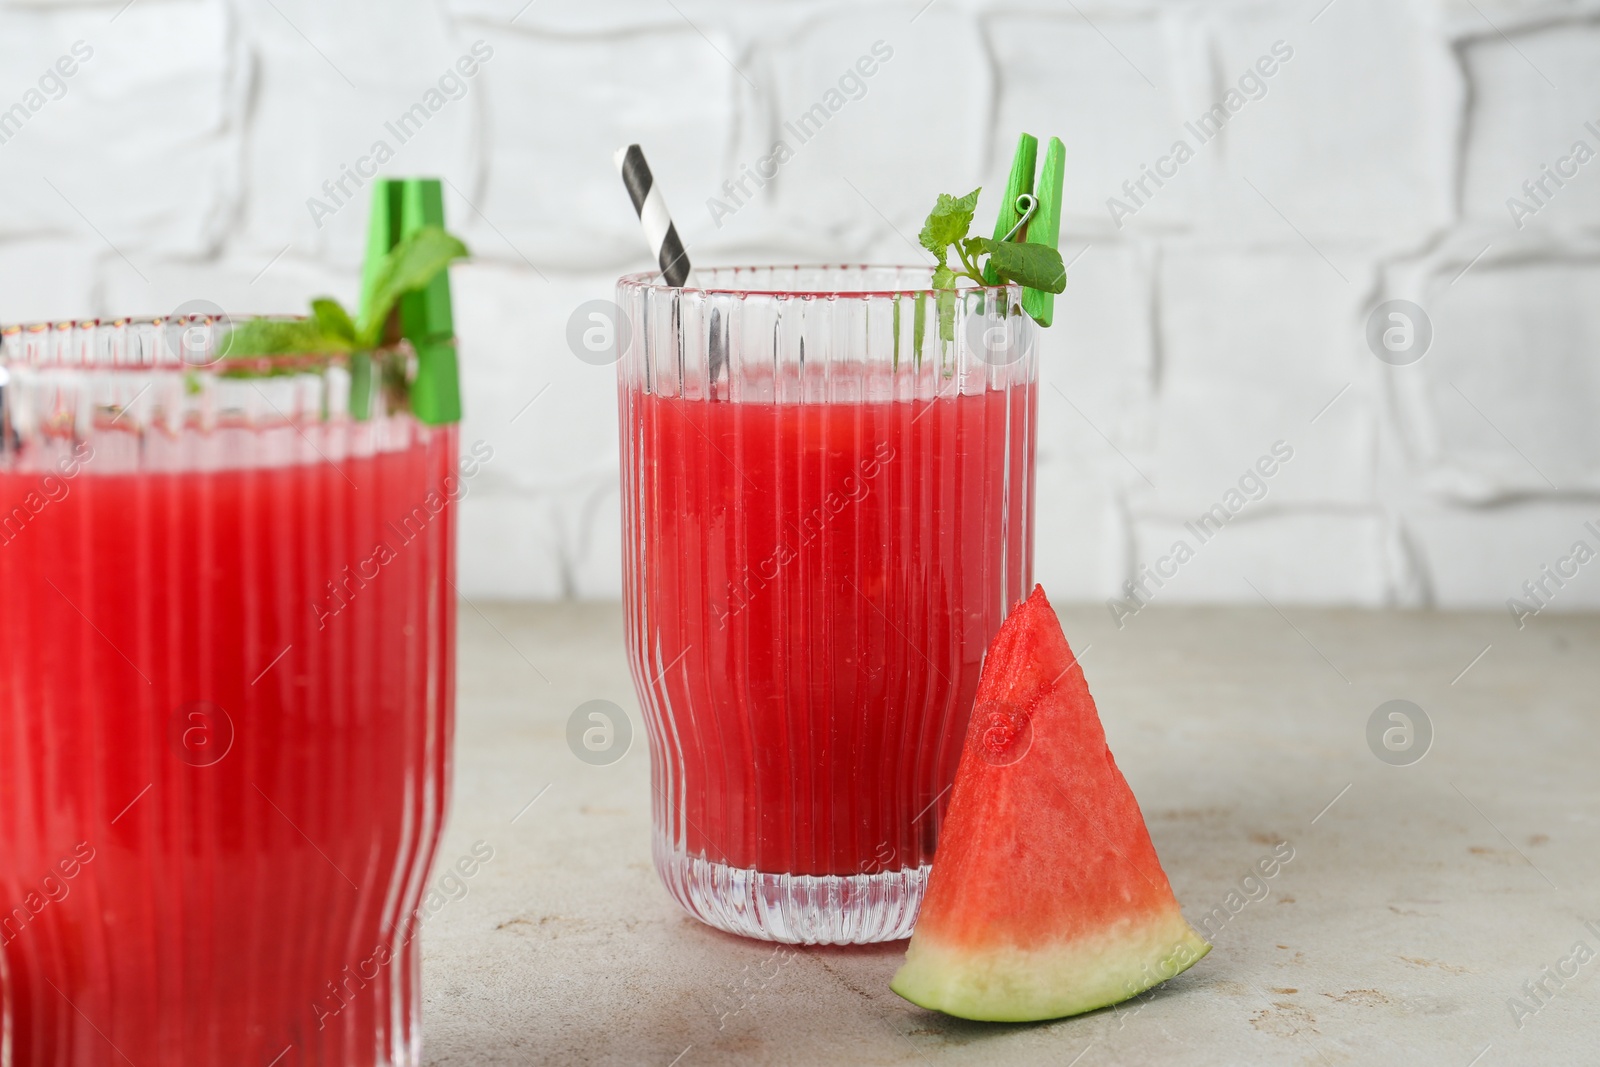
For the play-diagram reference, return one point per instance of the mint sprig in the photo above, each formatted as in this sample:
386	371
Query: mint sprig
1033	266
407	268
947	224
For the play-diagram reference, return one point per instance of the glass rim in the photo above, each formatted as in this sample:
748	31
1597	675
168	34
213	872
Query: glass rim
650	281
153	360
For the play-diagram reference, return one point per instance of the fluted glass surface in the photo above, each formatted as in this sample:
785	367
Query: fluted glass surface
226	691
828	510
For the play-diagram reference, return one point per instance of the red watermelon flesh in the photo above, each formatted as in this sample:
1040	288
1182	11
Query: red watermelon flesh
1046	896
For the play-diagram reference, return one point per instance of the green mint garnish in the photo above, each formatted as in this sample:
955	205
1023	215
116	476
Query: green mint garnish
948	222
332	319
407	268
1033	266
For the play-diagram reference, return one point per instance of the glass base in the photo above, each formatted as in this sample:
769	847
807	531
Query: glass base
797	909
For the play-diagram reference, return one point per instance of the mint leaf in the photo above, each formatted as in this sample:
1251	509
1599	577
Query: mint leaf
919	326
944	279
948	222
272	337
1034	266
408	266
333	320
947	314
896	333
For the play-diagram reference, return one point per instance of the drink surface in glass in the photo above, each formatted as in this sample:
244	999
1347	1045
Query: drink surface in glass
827	502
225	701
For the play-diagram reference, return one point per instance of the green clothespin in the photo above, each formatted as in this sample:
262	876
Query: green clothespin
1020	183
400	207
1044	228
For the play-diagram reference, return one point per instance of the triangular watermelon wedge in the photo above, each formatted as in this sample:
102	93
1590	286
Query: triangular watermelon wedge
1046	896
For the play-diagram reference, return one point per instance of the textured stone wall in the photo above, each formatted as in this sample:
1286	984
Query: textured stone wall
1367	152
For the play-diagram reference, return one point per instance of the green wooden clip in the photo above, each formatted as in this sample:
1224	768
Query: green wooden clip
400	207
1045	227
1020	183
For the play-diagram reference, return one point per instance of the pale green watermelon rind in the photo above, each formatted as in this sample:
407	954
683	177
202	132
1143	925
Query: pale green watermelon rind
1012	984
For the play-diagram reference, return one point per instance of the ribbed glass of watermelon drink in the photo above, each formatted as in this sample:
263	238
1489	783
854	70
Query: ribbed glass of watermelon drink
226	689
828	510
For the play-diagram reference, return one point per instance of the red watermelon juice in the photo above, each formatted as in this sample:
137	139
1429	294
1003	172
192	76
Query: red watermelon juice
811	588
225	702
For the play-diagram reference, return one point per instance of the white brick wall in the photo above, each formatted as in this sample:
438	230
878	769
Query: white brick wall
1226	314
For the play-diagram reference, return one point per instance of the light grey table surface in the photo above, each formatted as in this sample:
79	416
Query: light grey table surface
1415	907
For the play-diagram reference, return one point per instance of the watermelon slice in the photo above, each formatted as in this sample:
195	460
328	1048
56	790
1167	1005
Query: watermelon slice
1046	898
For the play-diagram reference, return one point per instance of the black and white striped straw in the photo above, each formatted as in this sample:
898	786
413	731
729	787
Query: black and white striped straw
652	209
